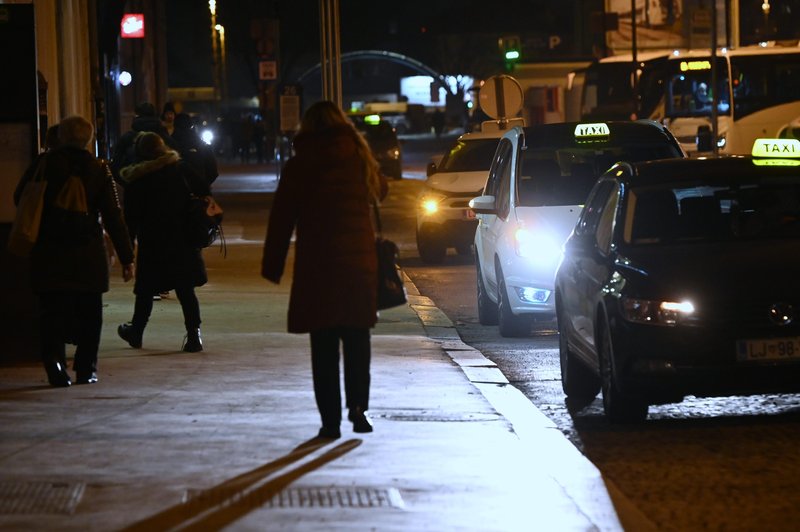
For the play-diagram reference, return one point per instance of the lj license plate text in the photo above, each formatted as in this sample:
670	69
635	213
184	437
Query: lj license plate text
768	349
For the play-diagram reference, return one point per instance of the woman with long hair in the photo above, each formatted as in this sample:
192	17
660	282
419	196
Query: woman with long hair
326	194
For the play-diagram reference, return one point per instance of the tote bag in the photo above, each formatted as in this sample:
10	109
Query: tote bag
28	220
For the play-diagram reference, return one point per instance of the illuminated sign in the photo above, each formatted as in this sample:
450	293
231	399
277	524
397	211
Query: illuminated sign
132	26
583	131
695	65
776	148
372	119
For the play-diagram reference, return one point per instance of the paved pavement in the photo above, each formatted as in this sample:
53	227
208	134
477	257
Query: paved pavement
224	439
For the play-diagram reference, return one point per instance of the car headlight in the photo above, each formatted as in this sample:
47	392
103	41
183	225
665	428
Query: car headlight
655	312
721	141
393	153
536	245
207	136
429	203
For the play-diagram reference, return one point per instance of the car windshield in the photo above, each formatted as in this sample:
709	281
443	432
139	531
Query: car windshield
558	177
752	209
469	156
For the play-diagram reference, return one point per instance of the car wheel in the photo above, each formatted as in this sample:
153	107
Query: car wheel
577	381
487	310
464	249
430	246
618	407
510	325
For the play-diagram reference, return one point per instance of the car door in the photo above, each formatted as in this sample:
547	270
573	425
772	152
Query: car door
578	266
489	225
596	265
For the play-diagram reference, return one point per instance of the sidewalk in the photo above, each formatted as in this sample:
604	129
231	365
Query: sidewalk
221	439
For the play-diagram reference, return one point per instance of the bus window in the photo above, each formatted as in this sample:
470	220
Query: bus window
758	84
689	89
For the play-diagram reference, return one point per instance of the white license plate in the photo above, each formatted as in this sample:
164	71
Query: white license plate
768	349
469	214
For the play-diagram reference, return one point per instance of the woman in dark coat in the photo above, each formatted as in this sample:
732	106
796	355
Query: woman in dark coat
69	263
325	194
157	199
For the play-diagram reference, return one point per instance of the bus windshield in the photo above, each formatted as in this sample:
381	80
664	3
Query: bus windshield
758	82
689	90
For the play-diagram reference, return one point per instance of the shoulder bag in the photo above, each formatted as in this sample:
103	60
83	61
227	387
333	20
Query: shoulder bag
391	291
28	219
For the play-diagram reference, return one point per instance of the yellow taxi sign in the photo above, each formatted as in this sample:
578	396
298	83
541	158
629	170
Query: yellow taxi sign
372	119
591	131
776	148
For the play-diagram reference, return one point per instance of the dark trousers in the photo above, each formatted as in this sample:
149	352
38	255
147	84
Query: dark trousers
325	370
75	318
189	305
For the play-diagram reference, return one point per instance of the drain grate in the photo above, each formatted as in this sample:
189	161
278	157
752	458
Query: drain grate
333	497
435	416
39	497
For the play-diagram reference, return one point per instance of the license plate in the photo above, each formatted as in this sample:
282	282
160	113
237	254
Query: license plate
769	349
469	214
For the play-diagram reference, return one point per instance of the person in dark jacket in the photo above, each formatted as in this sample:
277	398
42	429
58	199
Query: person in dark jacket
156	208
145	119
325	194
69	263
196	153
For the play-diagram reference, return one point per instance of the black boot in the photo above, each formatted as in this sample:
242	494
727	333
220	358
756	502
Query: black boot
361	420
57	374
131	334
192	343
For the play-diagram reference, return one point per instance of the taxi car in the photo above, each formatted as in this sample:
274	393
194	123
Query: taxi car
444	219
538	181
384	144
680	278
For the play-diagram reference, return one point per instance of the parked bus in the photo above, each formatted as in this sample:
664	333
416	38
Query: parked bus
758	92
607	87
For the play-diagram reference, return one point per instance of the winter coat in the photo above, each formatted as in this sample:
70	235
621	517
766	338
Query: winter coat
322	194
156	210
70	253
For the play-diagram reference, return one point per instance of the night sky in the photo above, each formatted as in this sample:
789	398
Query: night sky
409	27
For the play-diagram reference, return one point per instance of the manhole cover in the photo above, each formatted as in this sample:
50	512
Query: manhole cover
39	497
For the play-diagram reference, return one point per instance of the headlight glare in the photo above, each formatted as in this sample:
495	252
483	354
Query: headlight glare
536	245
656	312
429	203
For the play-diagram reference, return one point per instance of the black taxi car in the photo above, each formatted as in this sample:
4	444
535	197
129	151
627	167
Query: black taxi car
681	278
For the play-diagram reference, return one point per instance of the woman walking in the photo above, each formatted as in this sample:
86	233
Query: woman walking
325	194
156	201
69	263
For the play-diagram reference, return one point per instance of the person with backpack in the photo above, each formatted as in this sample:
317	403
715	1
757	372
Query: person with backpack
157	202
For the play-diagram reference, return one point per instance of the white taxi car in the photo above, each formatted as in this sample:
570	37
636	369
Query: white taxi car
539	179
444	219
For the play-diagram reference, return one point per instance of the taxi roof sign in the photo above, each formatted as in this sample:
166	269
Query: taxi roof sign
776	148
372	119
591	131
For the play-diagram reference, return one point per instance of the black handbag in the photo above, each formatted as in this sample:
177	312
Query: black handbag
391	291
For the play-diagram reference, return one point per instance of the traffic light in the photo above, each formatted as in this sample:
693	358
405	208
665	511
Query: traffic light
511	49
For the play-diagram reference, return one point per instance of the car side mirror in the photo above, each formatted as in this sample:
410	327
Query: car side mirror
431	169
703	139
483	205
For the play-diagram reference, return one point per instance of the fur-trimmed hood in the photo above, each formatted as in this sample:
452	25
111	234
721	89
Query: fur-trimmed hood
131	173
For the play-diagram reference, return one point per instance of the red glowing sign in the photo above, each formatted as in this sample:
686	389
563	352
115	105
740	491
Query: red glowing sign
132	26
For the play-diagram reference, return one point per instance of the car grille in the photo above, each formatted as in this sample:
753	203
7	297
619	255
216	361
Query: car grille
749	314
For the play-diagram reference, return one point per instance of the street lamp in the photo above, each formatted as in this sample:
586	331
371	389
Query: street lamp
224	83
212	7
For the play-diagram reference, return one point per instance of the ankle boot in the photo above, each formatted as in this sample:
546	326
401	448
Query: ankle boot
131	334
192	343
